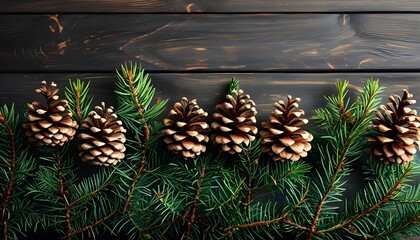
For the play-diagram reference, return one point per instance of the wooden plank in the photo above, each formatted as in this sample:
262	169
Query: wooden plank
207	6
100	42
210	89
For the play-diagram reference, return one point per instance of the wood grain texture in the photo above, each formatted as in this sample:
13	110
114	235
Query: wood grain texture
210	89
207	6
100	42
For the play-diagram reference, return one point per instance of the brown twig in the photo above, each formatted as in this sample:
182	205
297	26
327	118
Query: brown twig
12	165
391	192
194	209
249	198
72	204
78	109
282	219
136	178
394	230
62	192
91	225
135	97
338	169
146	139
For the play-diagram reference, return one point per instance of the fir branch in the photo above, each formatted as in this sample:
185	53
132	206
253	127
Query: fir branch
72	204
390	193
135	97
135	180
396	230
135	93
249	159
12	165
192	216
133	83
338	169
249	197
354	124
100	221
146	132
78	200
142	166
62	192
78	99
282	219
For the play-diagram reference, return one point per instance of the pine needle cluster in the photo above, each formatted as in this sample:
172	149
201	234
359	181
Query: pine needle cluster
154	194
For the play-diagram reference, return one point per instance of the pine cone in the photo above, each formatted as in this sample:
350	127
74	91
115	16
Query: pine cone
102	138
234	122
282	137
397	128
185	129
50	124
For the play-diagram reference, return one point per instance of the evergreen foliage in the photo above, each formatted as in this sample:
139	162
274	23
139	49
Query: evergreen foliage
16	166
77	95
153	194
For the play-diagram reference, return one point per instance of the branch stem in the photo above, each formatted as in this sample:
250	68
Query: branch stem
78	108
136	178
339	168
91	225
249	198
408	223
282	219
194	209
12	165
135	97
391	192
62	192
72	204
145	141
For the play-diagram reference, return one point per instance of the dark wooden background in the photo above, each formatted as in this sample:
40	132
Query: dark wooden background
193	48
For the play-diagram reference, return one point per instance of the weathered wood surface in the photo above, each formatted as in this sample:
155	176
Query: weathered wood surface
210	89
100	42
207	6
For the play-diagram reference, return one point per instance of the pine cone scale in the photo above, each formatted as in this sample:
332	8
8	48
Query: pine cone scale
287	141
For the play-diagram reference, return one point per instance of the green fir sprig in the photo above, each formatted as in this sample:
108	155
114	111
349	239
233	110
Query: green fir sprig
135	94
79	100
16	168
153	194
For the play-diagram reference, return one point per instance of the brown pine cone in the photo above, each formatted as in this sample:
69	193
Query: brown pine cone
397	128
185	129
51	124
234	123
282	137
102	138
